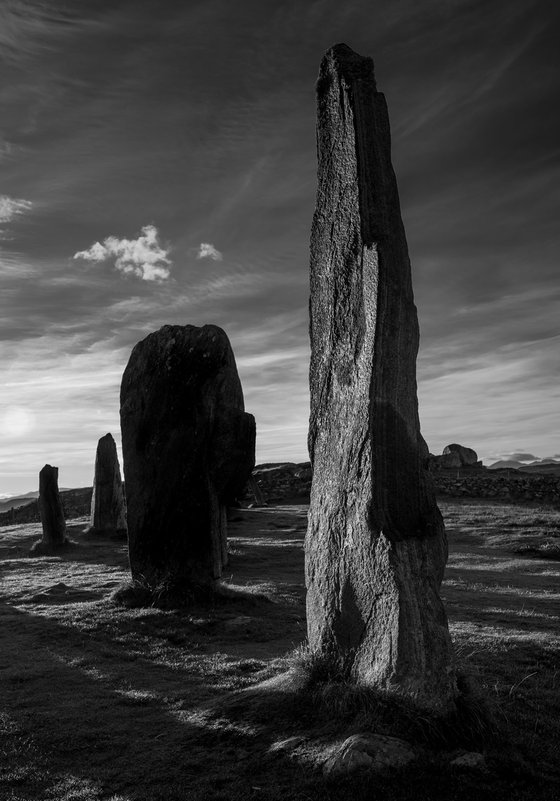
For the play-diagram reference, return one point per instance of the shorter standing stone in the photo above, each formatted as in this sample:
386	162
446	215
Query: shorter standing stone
188	450
51	511
108	509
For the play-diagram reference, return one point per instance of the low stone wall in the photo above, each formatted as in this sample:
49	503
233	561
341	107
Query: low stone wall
290	481
282	482
505	485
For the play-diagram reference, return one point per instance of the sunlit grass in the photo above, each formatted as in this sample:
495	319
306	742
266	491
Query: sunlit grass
108	703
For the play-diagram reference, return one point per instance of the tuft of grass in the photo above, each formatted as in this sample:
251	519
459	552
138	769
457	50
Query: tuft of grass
336	694
169	592
544	550
133	594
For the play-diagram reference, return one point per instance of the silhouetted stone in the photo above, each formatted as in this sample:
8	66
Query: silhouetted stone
188	449
51	512
108	510
466	457
376	546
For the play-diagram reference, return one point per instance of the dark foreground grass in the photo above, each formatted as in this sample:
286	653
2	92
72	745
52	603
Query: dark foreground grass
103	702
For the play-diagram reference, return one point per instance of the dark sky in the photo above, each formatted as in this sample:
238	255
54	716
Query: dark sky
172	146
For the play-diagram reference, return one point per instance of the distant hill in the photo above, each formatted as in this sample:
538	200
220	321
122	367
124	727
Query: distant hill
540	466
15	501
546	466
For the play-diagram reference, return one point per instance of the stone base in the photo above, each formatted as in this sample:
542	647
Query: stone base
106	533
42	548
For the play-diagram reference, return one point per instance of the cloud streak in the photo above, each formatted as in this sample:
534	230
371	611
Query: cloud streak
143	257
9	209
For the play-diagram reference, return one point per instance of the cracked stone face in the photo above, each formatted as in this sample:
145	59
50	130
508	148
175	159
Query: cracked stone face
375	546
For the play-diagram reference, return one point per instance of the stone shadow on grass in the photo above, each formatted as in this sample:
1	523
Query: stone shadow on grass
84	726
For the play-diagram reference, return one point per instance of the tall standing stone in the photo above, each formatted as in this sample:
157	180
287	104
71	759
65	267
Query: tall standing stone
51	511
108	509
188	449
376	546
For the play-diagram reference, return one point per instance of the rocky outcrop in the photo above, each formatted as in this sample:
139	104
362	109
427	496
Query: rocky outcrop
108	510
374	752
466	455
455	456
375	546
188	449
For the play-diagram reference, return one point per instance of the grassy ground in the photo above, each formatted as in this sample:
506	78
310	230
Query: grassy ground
103	703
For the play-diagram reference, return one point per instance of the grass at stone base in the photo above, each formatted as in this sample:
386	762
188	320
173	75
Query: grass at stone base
101	703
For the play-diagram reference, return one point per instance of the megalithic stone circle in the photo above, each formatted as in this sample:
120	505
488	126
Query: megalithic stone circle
188	450
108	508
51	509
375	546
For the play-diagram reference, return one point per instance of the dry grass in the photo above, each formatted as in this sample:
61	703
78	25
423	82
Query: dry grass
101	702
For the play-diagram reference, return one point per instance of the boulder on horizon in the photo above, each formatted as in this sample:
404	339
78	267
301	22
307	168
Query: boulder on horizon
455	455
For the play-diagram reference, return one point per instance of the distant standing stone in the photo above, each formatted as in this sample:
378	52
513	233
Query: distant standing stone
51	512
375	546
108	509
188	450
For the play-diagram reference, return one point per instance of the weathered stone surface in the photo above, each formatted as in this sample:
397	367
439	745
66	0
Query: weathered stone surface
466	455
188	449
375	546
376	752
51	512
108	509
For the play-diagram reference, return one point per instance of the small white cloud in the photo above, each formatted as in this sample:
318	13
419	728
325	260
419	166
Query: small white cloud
208	251
143	257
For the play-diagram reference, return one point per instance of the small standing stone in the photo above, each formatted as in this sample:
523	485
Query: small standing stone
51	512
108	509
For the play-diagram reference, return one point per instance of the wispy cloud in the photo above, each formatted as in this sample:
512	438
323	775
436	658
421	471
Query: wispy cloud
208	251
11	207
143	257
519	457
28	28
